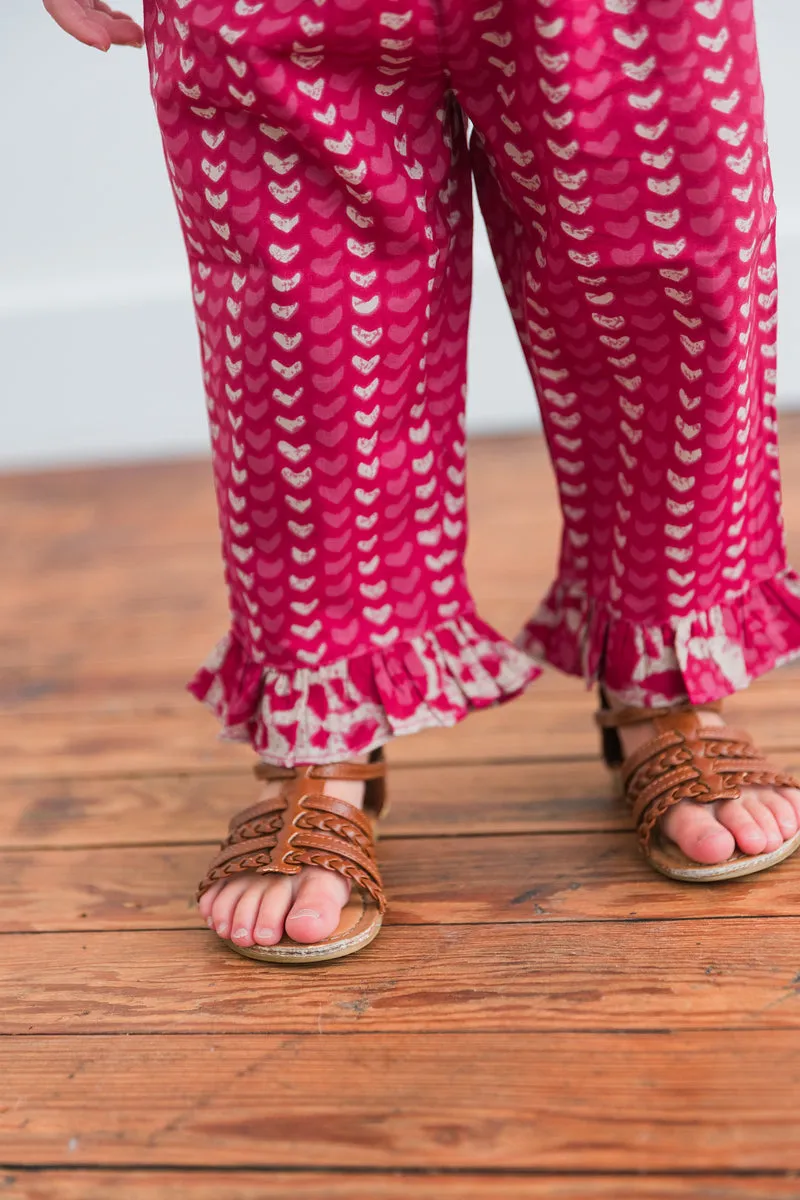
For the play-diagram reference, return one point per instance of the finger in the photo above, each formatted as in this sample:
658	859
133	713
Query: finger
122	31
108	15
127	33
99	6
78	23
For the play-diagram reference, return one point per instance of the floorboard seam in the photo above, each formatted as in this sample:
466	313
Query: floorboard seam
501	1031
663	920
410	1170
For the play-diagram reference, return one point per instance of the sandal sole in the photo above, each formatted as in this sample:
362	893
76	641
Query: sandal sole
676	865
668	859
360	924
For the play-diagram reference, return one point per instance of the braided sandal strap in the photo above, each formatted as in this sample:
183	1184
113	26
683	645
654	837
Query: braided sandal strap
372	773
615	718
687	761
302	826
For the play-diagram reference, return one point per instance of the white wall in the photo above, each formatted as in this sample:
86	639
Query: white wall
97	339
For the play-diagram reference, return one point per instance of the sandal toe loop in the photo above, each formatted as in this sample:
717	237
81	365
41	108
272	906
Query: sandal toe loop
302	826
685	760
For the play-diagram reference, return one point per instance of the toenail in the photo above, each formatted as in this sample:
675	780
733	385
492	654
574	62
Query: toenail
210	922
304	912
240	933
264	933
222	928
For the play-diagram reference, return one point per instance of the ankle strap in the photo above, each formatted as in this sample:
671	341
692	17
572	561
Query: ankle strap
608	718
359	772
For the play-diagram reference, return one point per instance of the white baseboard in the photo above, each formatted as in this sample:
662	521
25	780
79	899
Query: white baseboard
113	381
113	374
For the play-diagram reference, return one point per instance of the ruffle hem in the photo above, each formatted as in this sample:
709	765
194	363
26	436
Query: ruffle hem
699	657
354	705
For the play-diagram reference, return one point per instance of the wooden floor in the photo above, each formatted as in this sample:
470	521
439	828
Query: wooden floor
541	1017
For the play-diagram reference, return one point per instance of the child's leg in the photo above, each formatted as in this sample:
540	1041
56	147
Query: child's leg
322	178
622	168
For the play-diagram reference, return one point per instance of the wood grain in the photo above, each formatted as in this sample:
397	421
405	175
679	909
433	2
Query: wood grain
459	880
298	1185
542	1017
459	1100
184	736
674	974
122	657
520	797
167	504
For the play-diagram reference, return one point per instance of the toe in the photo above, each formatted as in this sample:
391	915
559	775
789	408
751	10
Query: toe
749	834
207	899
759	811
244	915
793	796
224	904
784	813
276	901
318	905
699	834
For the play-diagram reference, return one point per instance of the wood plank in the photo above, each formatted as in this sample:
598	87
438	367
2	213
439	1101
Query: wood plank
114	580
524	797
298	1185
461	880
520	797
649	975
101	597
76	513
144	644
167	503
173	498
153	596
99	514
30	551
143	659
86	514
552	1102
126	659
189	580
114	597
563	727
184	737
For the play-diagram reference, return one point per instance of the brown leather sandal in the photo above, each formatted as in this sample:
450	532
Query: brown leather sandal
303	827
686	761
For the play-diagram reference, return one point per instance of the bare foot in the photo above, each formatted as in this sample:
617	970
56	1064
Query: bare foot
759	822
252	909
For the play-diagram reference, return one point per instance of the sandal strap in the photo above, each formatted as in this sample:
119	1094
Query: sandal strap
373	773
301	826
687	761
609	718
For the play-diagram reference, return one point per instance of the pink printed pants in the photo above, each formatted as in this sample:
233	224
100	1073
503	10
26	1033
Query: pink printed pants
320	162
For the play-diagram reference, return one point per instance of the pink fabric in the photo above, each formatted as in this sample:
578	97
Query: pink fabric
319	158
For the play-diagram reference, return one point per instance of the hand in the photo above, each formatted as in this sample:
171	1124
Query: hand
94	23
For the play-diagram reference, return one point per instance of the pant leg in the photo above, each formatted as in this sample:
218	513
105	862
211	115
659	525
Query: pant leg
621	162
322	180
